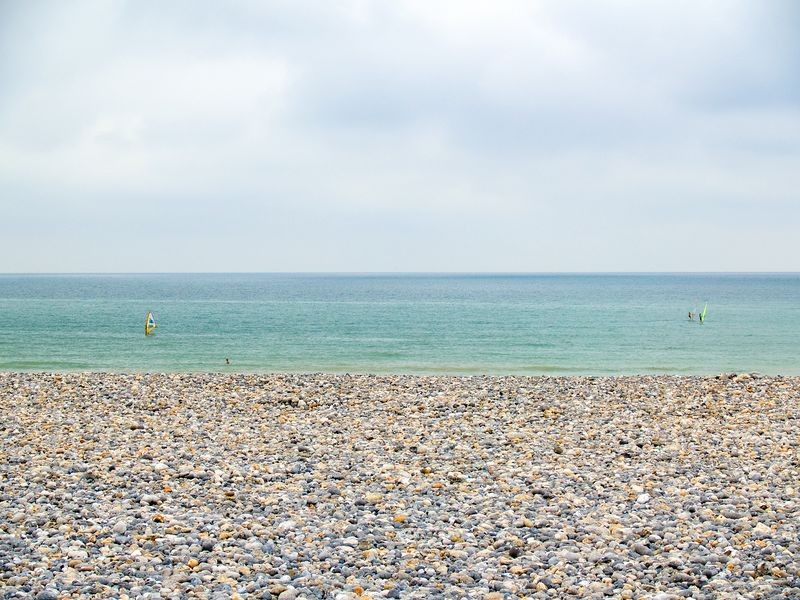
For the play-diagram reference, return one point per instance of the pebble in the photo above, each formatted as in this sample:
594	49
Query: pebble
120	527
364	486
642	549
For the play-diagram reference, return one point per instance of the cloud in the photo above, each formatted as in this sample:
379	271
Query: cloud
398	135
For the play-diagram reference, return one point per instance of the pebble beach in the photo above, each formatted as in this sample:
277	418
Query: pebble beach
360	486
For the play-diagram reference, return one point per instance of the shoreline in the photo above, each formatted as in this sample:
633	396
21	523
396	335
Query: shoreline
412	486
555	374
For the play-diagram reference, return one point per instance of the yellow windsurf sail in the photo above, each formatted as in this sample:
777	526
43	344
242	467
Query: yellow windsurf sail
149	324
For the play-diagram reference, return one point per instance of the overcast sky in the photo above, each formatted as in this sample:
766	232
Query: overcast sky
399	136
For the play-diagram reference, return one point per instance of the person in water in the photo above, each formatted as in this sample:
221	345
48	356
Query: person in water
227	361
691	316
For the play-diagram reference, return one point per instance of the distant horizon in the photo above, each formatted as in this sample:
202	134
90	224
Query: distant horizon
400	273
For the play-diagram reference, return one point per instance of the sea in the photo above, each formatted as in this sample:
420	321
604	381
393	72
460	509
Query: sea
589	324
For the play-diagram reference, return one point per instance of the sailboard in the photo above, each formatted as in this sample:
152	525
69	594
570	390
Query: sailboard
703	314
149	324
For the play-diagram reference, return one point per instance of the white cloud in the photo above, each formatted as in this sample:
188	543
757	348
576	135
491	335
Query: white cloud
429	135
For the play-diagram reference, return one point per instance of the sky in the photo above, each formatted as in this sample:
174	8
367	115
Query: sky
405	135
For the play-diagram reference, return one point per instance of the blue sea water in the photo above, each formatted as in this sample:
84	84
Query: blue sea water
402	323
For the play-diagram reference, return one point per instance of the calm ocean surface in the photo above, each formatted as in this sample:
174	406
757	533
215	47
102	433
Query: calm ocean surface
532	324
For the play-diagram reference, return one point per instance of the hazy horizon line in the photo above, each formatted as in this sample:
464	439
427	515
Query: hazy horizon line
6	273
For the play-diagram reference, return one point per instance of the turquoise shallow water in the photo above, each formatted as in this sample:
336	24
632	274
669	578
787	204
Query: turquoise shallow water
533	324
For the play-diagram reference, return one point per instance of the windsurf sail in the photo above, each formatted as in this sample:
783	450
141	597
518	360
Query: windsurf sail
149	324
703	314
